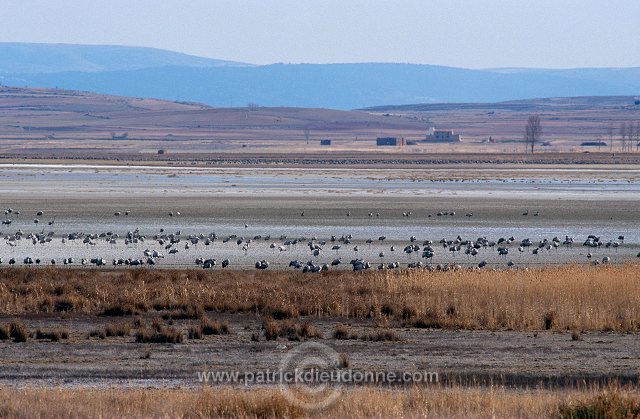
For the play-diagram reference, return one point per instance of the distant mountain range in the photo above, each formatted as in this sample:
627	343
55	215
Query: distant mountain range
147	72
24	58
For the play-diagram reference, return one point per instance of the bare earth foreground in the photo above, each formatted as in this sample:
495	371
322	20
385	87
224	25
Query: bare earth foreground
552	335
479	337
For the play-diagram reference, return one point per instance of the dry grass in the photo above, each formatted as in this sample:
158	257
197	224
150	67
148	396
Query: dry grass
17	331
4	332
97	334
289	329
609	404
209	327
121	329
343	361
565	298
576	335
113	329
120	310
194	333
189	312
159	334
52	335
343	332
354	402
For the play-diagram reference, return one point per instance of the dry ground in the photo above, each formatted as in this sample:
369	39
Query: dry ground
84	329
50	122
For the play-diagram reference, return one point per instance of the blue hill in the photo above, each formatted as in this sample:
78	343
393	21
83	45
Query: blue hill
144	72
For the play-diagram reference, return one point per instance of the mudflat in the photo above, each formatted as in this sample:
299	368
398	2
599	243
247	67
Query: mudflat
278	205
512	358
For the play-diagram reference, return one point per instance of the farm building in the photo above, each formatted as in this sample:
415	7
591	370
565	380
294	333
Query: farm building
443	136
593	144
386	141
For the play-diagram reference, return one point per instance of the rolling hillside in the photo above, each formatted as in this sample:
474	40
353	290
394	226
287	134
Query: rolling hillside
26	58
29	113
55	122
144	72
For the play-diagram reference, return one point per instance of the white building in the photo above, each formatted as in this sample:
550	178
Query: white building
443	136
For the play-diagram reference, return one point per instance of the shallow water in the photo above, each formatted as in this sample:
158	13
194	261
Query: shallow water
149	180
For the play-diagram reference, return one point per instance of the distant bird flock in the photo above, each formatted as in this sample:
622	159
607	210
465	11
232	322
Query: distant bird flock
314	254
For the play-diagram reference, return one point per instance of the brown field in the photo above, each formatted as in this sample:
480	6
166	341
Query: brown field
39	123
45	121
566	121
564	298
364	402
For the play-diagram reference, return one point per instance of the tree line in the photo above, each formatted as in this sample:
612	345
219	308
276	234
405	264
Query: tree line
628	135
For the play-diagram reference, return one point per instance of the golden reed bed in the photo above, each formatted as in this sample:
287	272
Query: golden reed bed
352	403
570	297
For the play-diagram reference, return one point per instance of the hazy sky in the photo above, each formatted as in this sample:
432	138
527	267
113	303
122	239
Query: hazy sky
463	33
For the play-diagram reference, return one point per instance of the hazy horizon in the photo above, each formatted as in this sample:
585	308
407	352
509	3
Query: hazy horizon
328	63
483	34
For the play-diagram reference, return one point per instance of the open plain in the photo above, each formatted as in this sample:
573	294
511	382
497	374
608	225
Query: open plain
56	123
541	316
474	282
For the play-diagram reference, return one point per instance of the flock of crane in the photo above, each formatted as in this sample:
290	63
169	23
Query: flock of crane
413	252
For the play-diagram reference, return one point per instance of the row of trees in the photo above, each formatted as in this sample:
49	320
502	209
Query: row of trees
628	134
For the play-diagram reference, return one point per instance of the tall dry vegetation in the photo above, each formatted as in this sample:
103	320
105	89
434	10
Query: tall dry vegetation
571	297
354	402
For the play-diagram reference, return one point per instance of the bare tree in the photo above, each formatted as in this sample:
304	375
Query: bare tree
623	136
533	131
610	133
633	134
306	131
